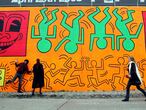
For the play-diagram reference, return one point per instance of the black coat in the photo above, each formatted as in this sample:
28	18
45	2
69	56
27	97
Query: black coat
134	80
38	81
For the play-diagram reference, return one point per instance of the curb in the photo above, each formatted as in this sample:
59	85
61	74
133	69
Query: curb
72	95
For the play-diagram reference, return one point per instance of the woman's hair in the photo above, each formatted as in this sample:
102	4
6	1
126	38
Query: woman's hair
132	58
38	60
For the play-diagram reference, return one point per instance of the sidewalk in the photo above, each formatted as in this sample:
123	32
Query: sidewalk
71	104
72	101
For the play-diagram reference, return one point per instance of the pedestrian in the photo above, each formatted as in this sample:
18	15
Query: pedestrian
38	80
22	68
134	78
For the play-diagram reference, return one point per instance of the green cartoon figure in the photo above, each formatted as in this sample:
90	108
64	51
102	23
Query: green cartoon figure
73	39
44	44
121	24
100	30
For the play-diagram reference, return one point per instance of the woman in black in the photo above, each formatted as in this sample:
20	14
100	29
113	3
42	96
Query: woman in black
134	78
38	81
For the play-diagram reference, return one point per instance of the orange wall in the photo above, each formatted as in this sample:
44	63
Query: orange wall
110	71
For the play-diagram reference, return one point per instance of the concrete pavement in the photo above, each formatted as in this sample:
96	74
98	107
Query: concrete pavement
71	104
97	100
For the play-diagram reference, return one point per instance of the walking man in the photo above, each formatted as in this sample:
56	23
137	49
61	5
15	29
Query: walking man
134	78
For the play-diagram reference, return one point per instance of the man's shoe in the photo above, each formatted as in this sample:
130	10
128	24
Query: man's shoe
9	81
41	94
125	100
32	94
19	91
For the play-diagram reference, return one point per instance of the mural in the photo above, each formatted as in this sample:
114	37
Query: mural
2	74
76	32
13	33
81	48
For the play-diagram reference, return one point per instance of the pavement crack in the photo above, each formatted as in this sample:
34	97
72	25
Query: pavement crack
63	104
